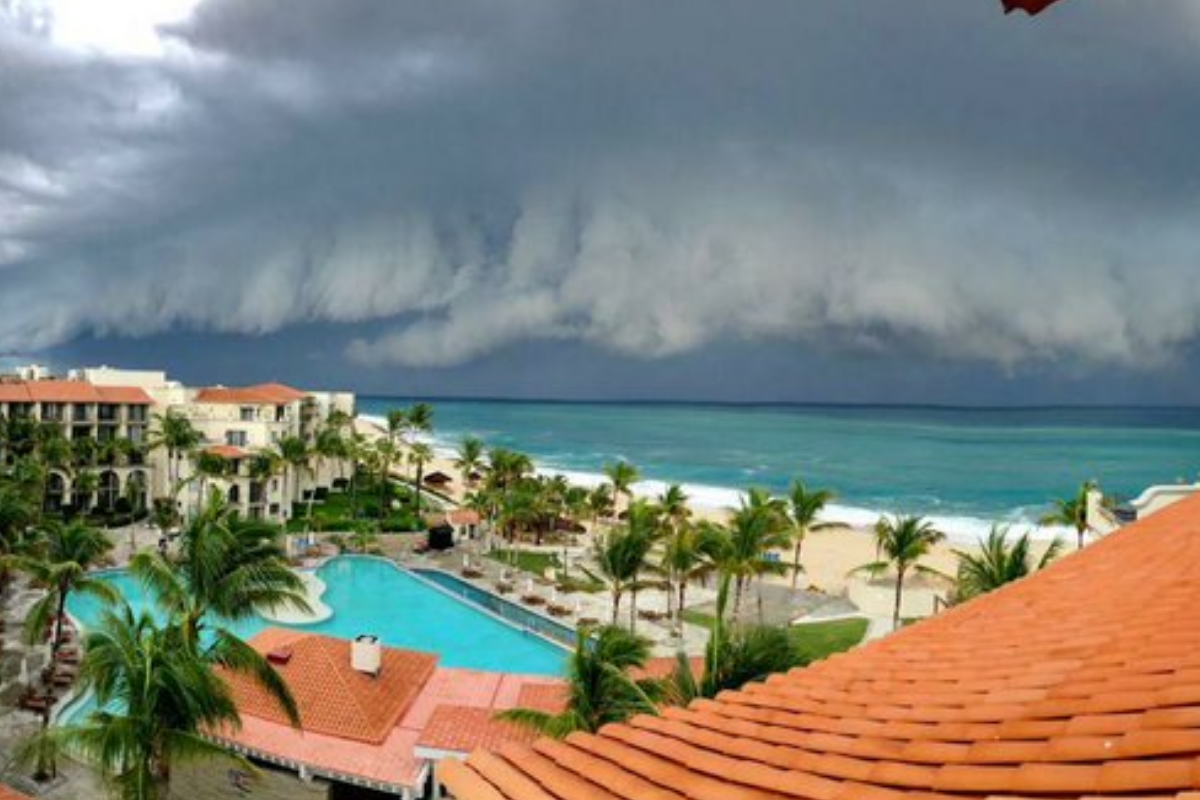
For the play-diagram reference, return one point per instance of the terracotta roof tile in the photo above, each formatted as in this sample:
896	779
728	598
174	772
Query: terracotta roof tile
226	451
333	698
464	729
60	391
274	394
11	794
1082	681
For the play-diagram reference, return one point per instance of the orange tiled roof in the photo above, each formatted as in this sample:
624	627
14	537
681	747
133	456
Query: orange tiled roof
333	698
11	794
226	451
393	763
548	697
275	394
462	729
1080	682
59	391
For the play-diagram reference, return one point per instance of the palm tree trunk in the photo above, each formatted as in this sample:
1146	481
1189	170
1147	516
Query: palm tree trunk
420	477
680	605
633	611
796	560
312	496
384	474
899	598
58	624
616	606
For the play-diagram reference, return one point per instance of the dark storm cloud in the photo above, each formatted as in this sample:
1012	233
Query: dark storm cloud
903	180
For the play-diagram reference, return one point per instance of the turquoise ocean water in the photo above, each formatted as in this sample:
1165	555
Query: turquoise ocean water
967	468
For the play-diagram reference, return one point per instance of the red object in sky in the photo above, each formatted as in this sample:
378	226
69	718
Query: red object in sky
1030	7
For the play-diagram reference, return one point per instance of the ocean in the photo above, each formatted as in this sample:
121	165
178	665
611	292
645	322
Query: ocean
966	469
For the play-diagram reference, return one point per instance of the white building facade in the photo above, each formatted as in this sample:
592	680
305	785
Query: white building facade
237	425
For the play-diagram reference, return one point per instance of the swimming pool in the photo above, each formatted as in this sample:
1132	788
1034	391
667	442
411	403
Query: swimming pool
371	595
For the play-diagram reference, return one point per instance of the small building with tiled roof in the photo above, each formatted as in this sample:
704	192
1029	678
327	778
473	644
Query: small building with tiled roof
1082	681
11	794
371	715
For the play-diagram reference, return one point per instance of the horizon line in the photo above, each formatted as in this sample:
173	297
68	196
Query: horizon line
916	406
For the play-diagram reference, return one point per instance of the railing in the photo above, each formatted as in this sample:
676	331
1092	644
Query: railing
498	606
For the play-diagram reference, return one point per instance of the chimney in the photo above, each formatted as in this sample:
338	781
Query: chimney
366	654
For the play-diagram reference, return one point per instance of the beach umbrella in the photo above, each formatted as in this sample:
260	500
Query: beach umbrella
1030	7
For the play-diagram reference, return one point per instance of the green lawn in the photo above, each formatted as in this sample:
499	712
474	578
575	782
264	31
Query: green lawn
814	641
538	563
820	639
526	560
334	513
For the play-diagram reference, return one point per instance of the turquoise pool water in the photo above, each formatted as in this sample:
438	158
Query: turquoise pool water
369	595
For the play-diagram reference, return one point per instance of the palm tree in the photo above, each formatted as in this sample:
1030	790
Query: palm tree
902	543
17	513
209	467
733	656
520	509
998	563
84	487
620	559
295	453
600	503
1072	512
419	454
600	689
227	569
176	434
470	458
359	452
418	419
382	455
688	555
55	452
758	527
264	465
507	467
622	476
60	564
157	698
331	445
806	505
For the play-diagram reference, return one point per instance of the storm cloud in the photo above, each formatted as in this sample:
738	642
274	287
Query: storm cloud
924	179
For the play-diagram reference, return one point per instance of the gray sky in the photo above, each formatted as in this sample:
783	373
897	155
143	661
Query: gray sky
864	200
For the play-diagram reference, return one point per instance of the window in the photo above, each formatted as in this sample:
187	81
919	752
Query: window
81	412
136	413
248	414
108	412
235	438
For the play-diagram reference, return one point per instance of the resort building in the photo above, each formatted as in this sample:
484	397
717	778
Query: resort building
1082	681
238	423
100	414
105	405
375	716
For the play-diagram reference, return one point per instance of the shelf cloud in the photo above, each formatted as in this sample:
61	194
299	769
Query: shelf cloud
920	179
